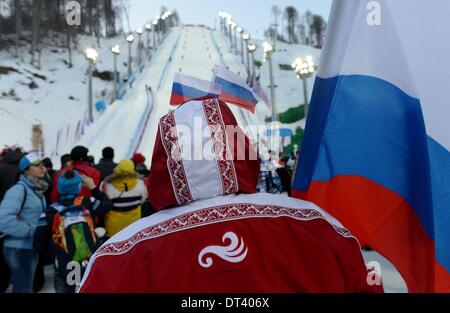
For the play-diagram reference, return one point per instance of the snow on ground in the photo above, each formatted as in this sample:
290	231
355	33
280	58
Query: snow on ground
61	95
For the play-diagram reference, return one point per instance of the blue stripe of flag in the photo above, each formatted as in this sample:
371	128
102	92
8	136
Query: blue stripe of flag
189	92
235	90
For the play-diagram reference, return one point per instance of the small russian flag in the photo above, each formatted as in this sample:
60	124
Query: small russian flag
234	89
186	88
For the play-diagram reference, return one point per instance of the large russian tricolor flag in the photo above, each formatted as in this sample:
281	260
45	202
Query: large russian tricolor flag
377	140
186	88
234	89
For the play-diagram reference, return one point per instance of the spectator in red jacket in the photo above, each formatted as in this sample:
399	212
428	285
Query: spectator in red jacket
80	162
213	233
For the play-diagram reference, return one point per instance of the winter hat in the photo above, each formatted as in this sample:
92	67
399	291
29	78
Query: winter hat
79	153
69	183
108	153
47	163
29	159
229	163
125	177
64	159
138	158
124	167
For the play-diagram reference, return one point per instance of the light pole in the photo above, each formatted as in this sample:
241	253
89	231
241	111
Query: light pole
148	29
158	24
165	19
139	45
274	35
246	38
252	49
116	51
234	26
229	32
304	69
240	31
268	50
155	24
130	40
91	56
221	21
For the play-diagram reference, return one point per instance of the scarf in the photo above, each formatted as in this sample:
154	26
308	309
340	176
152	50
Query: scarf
39	185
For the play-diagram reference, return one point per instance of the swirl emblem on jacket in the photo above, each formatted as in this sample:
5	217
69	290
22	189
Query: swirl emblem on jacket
235	252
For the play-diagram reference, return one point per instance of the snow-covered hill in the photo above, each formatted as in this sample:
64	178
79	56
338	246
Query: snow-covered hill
55	95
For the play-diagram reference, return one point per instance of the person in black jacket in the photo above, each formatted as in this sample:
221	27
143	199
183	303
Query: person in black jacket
9	175
45	255
9	169
106	165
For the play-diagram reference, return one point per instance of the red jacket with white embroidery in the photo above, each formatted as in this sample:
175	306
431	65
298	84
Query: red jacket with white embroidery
216	240
244	243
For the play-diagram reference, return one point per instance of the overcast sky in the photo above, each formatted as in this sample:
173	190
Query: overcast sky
252	15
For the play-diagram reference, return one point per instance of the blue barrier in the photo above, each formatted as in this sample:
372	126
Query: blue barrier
282	132
100	105
122	87
137	139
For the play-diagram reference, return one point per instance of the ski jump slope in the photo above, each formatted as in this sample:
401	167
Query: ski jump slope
191	50
195	53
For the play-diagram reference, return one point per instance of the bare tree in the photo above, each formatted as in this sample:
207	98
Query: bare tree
276	12
68	44
110	16
125	6
97	21
301	31
18	13
176	18
318	27
291	15
308	22
35	25
1	20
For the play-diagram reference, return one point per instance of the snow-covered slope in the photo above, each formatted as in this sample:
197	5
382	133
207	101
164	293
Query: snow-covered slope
194	54
119	125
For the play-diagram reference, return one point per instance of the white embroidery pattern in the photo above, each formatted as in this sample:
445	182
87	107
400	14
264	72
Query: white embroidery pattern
233	253
175	166
224	158
212	215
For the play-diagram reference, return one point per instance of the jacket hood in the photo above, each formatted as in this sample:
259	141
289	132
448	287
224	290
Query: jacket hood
123	182
228	163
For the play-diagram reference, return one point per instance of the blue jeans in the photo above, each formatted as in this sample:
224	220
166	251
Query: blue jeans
22	263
